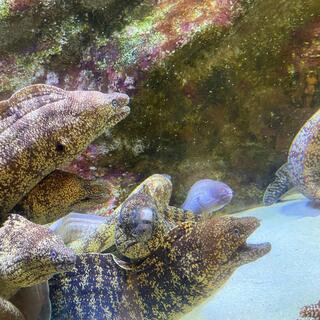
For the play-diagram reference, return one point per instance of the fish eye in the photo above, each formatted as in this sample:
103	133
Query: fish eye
236	232
114	103
53	255
60	147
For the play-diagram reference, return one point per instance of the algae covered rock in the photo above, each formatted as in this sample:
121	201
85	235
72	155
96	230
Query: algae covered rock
219	88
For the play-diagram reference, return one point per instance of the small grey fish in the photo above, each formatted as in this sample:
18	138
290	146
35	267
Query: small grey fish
206	196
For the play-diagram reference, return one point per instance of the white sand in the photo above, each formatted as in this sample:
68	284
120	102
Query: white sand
276	286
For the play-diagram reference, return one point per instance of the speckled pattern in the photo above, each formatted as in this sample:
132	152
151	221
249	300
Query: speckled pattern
9	312
157	187
304	158
136	238
193	263
155	193
59	193
43	127
311	312
279	186
29	254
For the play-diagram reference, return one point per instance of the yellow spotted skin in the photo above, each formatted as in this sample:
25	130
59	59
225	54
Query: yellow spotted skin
311	311
58	194
157	187
304	158
43	127
130	244
29	254
9	312
194	261
154	192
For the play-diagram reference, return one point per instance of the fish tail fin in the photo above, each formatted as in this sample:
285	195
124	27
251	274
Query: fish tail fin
280	185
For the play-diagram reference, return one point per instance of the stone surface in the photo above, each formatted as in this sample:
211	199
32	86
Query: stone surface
219	88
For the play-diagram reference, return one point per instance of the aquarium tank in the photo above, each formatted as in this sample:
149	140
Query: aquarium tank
159	159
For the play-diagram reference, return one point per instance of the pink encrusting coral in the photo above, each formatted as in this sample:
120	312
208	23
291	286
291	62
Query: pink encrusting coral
148	40
122	60
21	5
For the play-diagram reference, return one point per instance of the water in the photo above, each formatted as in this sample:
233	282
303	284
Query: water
219	89
279	284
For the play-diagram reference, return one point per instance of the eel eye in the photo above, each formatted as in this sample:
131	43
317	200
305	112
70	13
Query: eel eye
53	255
114	103
236	232
60	147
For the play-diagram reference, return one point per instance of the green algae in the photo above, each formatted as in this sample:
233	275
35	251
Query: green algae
226	93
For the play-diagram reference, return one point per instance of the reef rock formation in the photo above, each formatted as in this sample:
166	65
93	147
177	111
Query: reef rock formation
219	88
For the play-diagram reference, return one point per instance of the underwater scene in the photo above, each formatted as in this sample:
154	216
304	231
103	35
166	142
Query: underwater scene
159	159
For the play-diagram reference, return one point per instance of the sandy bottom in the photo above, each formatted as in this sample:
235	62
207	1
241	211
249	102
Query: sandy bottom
279	284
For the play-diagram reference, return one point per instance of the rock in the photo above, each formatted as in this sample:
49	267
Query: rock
228	85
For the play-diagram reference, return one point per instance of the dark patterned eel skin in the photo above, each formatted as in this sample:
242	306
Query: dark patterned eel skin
58	194
302	170
304	158
311	311
30	254
192	264
43	127
278	187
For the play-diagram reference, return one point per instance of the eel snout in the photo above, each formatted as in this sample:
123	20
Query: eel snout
251	252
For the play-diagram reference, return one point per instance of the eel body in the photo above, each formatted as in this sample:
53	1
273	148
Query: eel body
30	254
302	169
192	264
43	127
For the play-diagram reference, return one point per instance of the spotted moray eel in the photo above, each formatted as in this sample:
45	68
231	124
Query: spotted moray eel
60	193
43	127
29	255
135	229
89	233
302	169
193	262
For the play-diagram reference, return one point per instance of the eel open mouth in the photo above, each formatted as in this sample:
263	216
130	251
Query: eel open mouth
121	114
252	252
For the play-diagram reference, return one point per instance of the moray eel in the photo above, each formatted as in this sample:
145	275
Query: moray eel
29	255
190	266
303	158
58	194
302	167
43	127
311	311
91	233
278	187
137	227
206	196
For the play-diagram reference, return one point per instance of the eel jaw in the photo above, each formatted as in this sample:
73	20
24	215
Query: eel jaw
251	252
120	115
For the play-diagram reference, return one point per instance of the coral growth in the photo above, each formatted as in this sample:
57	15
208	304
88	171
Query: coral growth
219	88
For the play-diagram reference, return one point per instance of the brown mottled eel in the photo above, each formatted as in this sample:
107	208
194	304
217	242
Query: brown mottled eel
58	194
29	255
193	262
302	169
311	311
43	127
